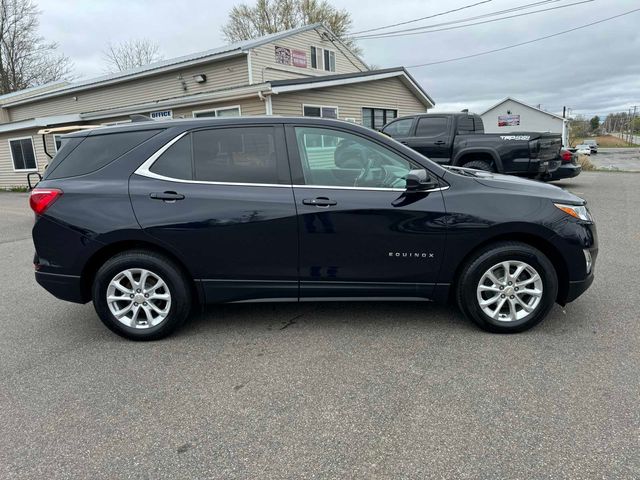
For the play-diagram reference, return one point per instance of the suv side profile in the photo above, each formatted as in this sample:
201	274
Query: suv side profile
148	219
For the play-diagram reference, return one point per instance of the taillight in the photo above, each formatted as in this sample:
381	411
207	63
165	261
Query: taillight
43	198
567	156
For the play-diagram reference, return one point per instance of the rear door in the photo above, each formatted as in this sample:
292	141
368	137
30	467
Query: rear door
357	237
222	199
432	137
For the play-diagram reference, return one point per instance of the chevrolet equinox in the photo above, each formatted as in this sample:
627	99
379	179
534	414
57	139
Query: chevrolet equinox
149	218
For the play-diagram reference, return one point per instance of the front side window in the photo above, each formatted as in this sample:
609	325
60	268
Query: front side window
323	112
235	155
22	154
349	161
431	126
376	118
399	128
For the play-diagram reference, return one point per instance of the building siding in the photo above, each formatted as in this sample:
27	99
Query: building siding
265	68
9	178
350	99
222	74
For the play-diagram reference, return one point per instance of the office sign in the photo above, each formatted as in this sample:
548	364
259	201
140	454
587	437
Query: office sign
161	115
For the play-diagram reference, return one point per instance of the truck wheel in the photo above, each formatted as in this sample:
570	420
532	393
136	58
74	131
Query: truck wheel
480	165
141	295
507	287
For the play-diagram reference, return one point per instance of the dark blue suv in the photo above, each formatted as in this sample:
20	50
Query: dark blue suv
150	218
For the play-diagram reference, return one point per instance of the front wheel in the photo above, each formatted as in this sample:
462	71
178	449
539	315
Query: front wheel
141	295
480	165
508	287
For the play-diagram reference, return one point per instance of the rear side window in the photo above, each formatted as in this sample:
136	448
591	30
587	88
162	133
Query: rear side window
466	125
431	126
175	162
96	151
238	155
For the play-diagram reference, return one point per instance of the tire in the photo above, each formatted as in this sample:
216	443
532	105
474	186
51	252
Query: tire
480	165
474	286
162	314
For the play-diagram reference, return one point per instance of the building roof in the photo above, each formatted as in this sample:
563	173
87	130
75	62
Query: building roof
523	104
306	83
225	51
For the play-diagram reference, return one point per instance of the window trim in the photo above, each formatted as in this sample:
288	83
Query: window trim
397	110
216	109
322	67
55	145
33	147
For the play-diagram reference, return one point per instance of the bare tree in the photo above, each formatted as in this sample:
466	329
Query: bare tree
130	54
26	59
272	16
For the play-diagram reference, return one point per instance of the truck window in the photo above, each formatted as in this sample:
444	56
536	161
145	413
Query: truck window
466	125
431	126
399	128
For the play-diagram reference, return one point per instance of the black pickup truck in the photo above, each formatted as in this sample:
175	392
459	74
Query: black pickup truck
459	139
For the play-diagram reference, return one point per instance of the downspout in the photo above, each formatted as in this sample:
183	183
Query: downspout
266	98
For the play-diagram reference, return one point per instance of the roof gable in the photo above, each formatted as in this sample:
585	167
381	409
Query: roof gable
524	105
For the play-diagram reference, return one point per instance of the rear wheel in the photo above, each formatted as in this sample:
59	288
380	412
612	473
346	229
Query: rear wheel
480	165
508	287
141	295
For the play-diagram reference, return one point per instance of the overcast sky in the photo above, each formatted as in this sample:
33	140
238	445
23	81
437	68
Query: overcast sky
593	70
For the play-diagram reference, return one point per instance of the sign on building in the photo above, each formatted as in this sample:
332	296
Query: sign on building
508	120
161	115
290	56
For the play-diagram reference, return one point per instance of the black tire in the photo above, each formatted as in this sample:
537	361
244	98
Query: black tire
475	268
159	265
480	165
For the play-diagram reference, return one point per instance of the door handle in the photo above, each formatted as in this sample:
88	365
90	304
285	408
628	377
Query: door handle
167	196
439	142
319	202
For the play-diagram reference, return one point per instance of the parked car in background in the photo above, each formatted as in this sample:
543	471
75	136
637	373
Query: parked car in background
147	219
593	145
583	149
569	166
458	139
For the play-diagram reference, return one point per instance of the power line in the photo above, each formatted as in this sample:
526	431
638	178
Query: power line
412	32
524	43
420	19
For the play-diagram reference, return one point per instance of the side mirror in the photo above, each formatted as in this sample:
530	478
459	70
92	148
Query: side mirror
33	184
419	181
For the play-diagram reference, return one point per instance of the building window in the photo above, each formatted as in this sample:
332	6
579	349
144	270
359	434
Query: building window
323	59
218	112
377	118
22	154
319	141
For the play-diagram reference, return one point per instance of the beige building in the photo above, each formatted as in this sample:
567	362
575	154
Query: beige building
304	71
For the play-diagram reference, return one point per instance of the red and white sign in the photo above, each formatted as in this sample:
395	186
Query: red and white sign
299	58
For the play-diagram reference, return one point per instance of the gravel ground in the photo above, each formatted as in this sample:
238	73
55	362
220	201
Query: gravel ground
334	390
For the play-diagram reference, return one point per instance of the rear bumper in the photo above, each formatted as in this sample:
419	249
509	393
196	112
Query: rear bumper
577	288
64	287
568	170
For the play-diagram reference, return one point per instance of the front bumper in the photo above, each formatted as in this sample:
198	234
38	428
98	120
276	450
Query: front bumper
577	288
64	287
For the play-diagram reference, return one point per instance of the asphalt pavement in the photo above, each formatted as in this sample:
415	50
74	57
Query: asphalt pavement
327	390
622	159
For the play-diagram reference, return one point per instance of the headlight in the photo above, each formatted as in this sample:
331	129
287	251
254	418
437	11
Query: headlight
577	211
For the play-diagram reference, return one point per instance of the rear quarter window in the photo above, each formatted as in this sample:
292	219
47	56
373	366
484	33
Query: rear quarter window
97	151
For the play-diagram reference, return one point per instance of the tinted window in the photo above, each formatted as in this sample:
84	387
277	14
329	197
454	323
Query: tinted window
349	161
24	158
95	152
431	126
401	128
466	124
242	155
175	162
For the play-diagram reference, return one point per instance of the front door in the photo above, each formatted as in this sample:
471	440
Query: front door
222	200
432	138
358	237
